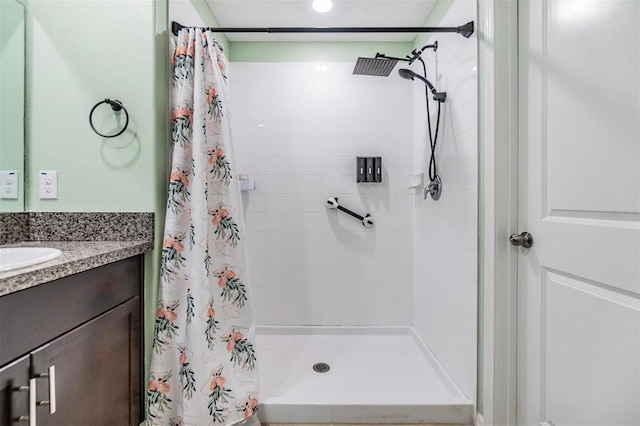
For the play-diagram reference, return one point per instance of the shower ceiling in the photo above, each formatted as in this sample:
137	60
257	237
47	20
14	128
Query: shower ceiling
299	13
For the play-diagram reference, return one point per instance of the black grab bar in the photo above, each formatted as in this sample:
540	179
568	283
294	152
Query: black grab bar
367	220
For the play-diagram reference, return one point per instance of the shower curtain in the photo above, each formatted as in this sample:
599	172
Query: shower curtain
203	367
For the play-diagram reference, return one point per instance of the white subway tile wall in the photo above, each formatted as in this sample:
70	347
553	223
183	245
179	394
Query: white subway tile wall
297	130
446	231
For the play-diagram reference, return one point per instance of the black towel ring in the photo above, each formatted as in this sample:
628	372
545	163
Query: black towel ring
116	106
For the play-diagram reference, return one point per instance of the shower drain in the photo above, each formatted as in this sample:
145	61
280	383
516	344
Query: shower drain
321	367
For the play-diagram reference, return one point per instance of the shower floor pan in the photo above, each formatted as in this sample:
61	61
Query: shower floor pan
376	375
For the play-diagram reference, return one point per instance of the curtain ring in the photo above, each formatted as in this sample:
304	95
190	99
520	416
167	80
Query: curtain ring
116	106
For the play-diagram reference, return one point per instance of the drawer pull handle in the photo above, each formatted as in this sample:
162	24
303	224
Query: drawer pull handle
51	375
31	418
32	402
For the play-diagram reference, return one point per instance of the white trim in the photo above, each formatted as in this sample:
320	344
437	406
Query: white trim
479	420
498	52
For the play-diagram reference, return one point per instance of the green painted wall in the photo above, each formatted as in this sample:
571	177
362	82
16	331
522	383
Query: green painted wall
12	96
438	12
76	60
310	51
79	53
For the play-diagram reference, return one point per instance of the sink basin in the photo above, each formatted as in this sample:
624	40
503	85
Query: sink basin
19	257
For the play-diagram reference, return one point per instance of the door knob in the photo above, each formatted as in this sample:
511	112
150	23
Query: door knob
525	240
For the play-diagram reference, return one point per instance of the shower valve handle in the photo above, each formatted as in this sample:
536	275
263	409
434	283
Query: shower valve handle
434	189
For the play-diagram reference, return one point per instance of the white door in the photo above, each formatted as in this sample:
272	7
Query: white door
579	197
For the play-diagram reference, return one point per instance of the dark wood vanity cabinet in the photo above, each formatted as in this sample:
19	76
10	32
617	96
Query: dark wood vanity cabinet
79	339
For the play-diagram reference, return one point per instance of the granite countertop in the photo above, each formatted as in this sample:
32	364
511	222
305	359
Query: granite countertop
77	256
87	240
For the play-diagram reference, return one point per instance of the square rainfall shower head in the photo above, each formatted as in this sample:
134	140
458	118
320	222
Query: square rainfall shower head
380	67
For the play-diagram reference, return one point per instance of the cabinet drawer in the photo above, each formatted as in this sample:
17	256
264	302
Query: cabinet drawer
32	317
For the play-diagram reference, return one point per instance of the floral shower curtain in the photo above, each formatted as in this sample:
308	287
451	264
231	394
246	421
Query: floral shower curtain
203	367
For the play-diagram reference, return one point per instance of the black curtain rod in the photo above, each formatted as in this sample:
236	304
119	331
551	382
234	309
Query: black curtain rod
465	30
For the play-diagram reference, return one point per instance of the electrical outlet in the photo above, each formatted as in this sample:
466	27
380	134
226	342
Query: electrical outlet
48	185
8	185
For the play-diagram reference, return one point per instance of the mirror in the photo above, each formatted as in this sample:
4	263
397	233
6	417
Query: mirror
12	75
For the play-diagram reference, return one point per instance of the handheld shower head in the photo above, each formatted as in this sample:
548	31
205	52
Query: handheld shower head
410	75
407	74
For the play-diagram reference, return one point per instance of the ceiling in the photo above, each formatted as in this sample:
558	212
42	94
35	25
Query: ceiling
299	13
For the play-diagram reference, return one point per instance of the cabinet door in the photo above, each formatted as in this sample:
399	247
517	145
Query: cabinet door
97	371
14	403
